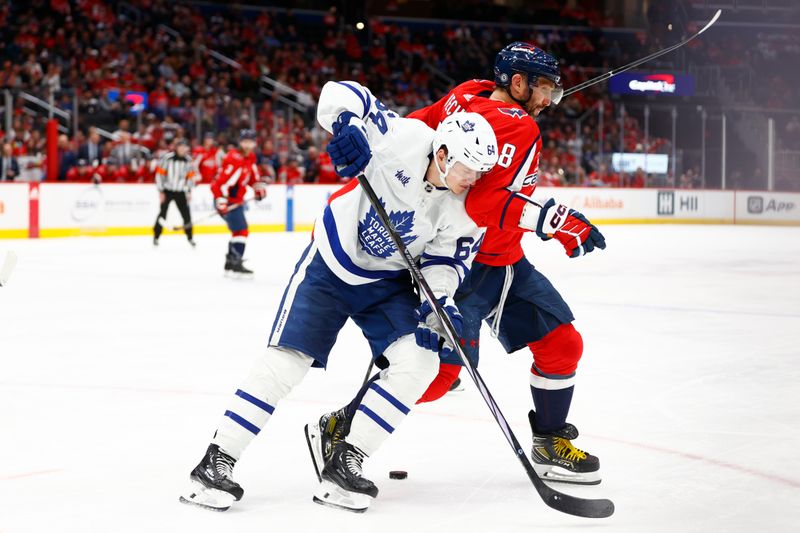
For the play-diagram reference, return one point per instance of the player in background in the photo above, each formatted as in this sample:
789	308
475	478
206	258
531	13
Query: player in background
208	158
524	307
351	269
238	172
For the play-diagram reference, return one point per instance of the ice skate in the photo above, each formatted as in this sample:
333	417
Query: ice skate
212	486
556	459
457	386
235	268
323	435
343	484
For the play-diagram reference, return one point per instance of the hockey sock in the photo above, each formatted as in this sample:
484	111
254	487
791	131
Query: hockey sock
552	408
270	380
390	398
236	246
552	376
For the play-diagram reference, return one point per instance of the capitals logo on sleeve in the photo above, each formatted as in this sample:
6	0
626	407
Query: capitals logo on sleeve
512	111
374	237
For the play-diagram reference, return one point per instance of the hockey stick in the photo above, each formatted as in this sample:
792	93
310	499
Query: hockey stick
614	72
8	265
369	371
234	207
557	500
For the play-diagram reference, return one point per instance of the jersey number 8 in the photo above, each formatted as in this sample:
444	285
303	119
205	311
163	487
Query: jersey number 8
506	155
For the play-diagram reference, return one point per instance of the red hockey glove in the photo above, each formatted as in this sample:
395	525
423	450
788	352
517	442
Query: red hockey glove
221	204
260	190
570	228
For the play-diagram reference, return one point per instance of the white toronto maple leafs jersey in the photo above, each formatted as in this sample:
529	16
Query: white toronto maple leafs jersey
432	222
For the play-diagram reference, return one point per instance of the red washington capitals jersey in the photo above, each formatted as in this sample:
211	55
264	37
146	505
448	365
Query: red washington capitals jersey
497	199
237	173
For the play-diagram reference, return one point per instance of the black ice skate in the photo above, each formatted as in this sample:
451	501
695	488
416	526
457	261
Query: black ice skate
556	459
234	267
323	436
343	484
212	486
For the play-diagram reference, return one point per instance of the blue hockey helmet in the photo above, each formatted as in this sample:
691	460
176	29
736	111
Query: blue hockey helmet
524	58
247	134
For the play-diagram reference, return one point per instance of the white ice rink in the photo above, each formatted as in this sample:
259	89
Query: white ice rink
117	359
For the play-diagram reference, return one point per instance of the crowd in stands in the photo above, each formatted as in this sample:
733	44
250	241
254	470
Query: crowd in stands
101	60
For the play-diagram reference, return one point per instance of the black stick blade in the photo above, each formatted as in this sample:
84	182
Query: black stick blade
579	506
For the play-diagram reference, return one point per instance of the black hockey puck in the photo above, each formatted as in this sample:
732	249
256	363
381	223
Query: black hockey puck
398	474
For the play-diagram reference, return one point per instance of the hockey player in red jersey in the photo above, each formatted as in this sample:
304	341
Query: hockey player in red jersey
207	158
503	288
238	172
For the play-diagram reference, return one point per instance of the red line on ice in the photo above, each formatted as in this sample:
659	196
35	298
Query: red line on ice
30	474
709	460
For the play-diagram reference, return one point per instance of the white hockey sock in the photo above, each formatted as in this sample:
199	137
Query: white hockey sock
270	380
390	398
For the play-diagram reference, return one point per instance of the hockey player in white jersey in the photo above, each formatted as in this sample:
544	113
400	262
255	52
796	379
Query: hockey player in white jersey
351	269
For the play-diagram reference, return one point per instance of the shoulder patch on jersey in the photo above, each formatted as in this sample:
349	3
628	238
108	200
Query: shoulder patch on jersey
469	97
512	112
374	238
468	126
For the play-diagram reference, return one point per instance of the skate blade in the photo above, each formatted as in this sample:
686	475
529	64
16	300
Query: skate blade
211	499
562	475
458	387
332	495
238	275
314	441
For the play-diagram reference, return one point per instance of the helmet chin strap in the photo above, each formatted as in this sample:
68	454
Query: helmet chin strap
522	103
443	174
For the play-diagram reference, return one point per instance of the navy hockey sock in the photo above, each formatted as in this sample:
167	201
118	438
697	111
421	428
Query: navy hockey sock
552	408
236	248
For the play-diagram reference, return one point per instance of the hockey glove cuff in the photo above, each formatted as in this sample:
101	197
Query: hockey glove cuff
572	229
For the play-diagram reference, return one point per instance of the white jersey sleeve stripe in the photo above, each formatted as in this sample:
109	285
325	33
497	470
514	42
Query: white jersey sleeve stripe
366	101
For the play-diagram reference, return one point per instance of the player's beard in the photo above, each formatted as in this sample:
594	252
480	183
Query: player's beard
536	110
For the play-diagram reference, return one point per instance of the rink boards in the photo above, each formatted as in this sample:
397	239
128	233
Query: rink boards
60	210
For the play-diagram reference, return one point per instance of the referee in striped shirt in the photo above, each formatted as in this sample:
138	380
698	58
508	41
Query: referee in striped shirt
175	178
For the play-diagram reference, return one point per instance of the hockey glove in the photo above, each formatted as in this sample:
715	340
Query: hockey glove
221	204
570	228
260	190
430	333
349	149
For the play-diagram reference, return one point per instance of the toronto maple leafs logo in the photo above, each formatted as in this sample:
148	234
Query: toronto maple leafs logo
402	178
374	238
512	111
468	126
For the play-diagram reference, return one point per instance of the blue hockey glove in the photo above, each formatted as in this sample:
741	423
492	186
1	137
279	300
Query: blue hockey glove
430	333
570	228
349	149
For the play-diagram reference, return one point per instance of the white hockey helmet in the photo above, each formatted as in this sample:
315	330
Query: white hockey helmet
470	141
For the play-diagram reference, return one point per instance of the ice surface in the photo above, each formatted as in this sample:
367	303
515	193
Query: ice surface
117	359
